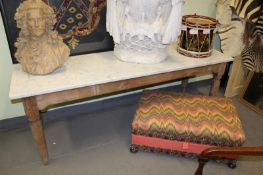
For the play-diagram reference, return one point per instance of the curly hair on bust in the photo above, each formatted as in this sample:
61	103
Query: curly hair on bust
21	14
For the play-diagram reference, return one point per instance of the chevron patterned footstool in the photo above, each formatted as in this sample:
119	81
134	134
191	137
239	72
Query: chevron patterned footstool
184	124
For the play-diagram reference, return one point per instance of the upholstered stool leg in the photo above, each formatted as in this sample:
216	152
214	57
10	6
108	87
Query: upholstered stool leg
232	164
134	148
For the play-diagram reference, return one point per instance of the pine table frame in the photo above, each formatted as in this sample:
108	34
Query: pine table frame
33	105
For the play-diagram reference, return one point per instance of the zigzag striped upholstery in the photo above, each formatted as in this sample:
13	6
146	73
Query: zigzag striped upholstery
200	120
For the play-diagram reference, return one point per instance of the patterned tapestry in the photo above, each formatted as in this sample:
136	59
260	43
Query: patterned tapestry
78	20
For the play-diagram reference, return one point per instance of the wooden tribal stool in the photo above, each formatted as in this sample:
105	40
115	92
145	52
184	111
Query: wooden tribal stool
185	124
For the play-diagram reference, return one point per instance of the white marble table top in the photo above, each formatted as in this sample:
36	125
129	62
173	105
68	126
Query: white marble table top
99	68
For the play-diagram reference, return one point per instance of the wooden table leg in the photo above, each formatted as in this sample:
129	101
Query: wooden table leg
217	75
36	125
184	84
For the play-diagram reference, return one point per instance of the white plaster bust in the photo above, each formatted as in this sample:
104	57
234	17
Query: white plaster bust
141	29
231	29
39	49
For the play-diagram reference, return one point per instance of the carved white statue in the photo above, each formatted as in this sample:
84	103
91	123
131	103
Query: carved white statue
231	29
141	29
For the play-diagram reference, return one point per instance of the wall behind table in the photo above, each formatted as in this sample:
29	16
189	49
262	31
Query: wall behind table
7	109
10	110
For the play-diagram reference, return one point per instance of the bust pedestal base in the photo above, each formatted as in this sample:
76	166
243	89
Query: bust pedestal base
144	56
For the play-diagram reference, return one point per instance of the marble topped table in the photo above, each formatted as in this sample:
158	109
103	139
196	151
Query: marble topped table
102	73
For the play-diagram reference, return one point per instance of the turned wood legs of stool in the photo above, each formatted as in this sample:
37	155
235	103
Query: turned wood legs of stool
36	125
134	148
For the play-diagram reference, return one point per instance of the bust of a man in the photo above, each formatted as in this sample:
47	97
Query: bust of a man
141	29
39	49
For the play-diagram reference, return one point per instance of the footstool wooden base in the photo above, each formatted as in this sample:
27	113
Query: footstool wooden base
185	125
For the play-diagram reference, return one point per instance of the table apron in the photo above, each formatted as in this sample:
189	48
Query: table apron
46	100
